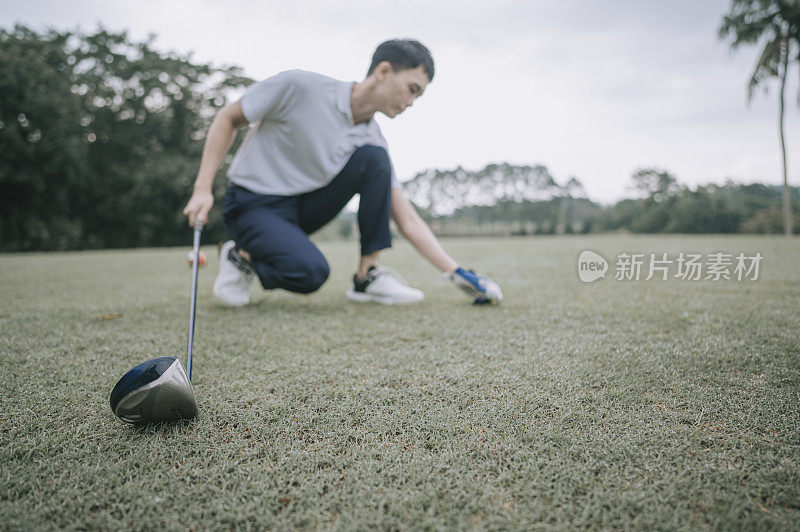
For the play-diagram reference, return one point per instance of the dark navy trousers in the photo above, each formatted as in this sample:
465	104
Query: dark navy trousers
274	229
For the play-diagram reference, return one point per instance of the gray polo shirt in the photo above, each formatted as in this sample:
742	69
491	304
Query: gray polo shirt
303	134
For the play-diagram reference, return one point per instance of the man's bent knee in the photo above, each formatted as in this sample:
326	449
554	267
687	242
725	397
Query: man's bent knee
316	277
307	278
377	160
297	277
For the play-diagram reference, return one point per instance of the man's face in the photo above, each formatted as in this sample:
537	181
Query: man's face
398	90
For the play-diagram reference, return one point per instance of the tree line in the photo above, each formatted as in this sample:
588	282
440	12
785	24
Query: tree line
662	205
666	206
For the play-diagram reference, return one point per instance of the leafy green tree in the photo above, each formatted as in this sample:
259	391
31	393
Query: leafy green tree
102	137
774	24
147	114
43	157
728	208
768	220
656	185
704	210
618	217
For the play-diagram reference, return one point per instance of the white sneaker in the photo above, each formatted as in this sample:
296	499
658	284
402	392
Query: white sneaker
232	285
382	285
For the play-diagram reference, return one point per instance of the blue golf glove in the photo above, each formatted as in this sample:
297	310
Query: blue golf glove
483	290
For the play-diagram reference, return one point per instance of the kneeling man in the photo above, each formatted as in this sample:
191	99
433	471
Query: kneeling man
314	145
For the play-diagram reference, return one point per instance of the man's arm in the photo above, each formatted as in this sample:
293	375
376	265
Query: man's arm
418	233
482	289
220	137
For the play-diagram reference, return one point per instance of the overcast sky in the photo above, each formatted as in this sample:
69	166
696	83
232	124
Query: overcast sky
591	89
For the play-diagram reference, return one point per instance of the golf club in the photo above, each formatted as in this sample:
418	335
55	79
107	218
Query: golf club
160	389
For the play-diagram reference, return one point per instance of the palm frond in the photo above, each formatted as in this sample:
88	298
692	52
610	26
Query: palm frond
768	64
748	21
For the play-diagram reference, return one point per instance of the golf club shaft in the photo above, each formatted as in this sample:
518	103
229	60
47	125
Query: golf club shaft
198	228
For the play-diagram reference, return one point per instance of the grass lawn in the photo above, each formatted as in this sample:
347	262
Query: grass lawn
630	404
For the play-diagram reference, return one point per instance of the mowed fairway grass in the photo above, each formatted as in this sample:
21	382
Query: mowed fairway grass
649	404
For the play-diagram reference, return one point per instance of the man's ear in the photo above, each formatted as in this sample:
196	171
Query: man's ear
382	69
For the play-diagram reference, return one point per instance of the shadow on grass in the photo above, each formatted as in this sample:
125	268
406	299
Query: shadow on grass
314	306
164	428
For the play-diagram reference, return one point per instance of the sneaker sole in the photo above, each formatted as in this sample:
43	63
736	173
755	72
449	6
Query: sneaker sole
361	297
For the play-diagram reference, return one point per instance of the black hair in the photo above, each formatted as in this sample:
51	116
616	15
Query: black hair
403	54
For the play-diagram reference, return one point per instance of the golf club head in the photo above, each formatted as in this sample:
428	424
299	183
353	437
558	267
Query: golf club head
154	391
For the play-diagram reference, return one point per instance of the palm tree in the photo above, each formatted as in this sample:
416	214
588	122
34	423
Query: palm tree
776	23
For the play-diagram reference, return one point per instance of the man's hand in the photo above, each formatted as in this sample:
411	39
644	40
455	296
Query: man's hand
199	205
482	289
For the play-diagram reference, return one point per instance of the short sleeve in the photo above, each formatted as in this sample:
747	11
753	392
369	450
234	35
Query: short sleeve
269	99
